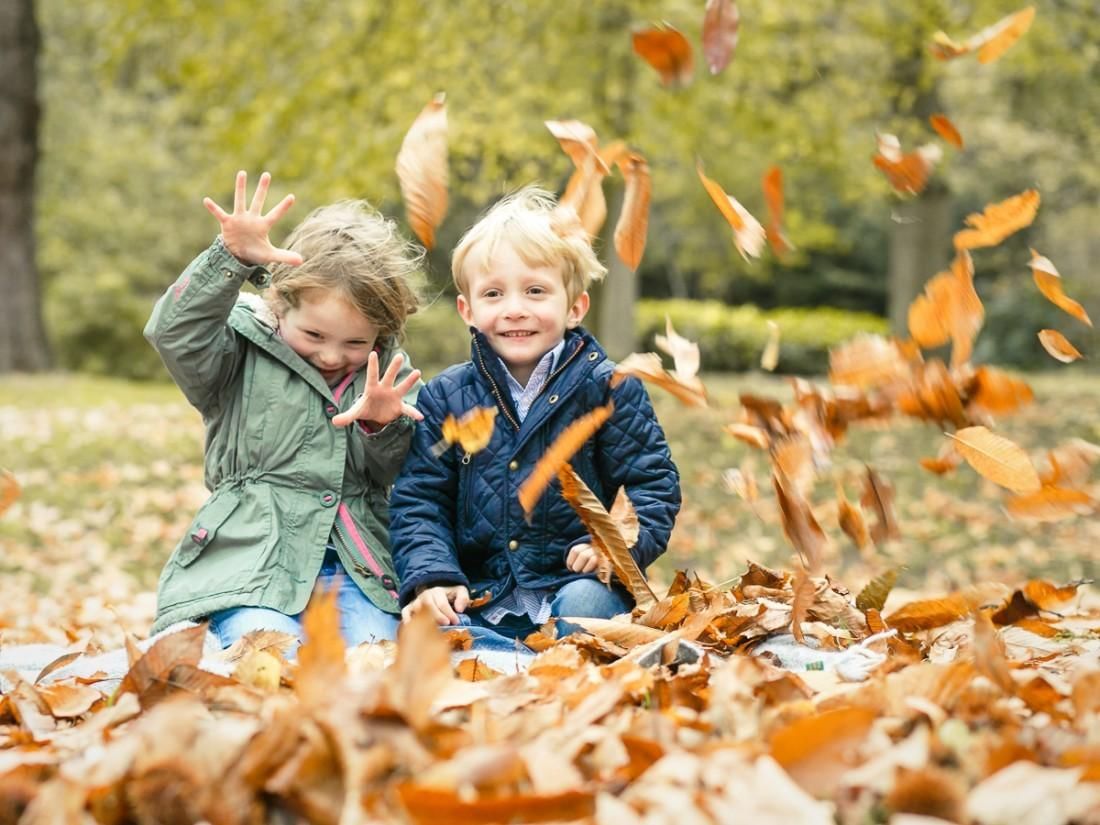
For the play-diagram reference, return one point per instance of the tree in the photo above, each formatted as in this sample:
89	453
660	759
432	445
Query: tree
22	334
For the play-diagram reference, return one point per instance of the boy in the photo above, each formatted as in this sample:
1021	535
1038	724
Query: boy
458	531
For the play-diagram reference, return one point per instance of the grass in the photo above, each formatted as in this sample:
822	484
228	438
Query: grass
111	474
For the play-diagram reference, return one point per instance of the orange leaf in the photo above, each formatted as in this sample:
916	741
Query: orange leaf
668	51
878	496
1050	284
321	664
769	358
867	362
1070	463
1047	596
430	805
1050	503
748	234
630	232
989	653
474	670
946	130
69	701
997	459
647	366
998	221
998	392
907	172
720	22
850	520
184	647
422	170
555	458
944	463
949	309
772	184
578	140
814	749
624	634
990	43
803	599
472	432
799	525
9	490
685	353
929	613
1058	346
753	436
420	672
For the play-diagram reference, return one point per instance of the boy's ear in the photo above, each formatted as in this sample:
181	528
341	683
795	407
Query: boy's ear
578	311
464	309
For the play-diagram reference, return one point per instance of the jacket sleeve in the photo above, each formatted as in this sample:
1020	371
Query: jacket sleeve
423	509
386	448
188	325
633	454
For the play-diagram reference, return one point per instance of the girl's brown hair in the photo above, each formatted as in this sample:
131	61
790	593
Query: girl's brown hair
348	246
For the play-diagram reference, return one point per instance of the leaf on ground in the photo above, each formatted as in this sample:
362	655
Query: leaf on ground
184	647
804	590
633	225
625	634
9	490
474	670
998	221
570	440
422	170
810	748
720	23
429	805
925	614
1049	281
989	653
996	458
1058	346
421	671
668	51
874	594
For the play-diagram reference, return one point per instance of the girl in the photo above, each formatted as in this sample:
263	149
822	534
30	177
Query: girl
298	497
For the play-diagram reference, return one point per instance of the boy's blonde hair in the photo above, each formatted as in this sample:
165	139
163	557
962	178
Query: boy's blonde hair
541	233
348	246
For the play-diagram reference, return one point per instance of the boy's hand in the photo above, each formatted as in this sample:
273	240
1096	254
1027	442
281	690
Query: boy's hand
582	558
442	603
245	232
382	401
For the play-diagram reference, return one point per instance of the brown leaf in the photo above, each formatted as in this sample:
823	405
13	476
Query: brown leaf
625	634
794	458
925	614
668	51
799	525
998	221
578	140
624	514
989	653
946	130
69	701
850	520
607	537
647	367
753	436
9	490
421	671
430	806
772	184
183	647
997	459
803	599
685	353
630	231
748	234
474	670
998	392
1050	284
867	362
1070	464
472	432
422	170
720	23
874	594
878	497
907	172
57	664
321	658
990	43
1050	503
1058	346
572	438
945	462
812	749
584	195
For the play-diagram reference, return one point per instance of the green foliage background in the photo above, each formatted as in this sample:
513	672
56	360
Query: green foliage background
150	106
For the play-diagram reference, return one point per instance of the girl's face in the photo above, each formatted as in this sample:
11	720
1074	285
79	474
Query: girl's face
328	332
522	310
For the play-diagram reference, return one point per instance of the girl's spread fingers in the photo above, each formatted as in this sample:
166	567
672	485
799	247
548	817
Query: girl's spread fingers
409	382
280	209
372	369
260	194
239	191
412	412
286	256
214	209
392	370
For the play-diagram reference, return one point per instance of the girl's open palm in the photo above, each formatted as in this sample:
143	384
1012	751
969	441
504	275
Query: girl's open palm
245	231
382	401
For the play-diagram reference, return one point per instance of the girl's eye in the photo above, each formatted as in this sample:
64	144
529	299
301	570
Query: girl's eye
312	334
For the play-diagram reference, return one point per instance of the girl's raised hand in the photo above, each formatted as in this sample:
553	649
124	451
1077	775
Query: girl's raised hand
382	401
245	231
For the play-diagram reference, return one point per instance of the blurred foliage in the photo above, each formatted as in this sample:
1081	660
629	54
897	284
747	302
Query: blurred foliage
150	106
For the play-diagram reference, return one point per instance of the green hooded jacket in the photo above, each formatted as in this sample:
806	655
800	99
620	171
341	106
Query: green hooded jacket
284	480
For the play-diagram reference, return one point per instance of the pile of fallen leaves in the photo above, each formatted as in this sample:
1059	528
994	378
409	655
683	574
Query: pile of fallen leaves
986	709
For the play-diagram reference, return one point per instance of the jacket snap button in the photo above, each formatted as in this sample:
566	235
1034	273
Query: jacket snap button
513	545
553	399
513	465
330	410
328	498
228	273
592	356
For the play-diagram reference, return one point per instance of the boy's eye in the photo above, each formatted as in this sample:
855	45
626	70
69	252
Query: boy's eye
492	293
536	290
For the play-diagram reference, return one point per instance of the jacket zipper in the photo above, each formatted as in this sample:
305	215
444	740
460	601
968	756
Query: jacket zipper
493	385
345	523
561	367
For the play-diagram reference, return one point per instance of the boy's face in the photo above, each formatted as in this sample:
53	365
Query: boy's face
328	332
522	310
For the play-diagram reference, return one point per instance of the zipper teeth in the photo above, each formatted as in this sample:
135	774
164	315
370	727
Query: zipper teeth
493	384
561	366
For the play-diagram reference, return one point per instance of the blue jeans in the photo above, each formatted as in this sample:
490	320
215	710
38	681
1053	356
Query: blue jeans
360	620
587	598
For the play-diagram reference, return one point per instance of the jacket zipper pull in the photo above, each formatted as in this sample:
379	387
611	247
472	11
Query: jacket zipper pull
465	458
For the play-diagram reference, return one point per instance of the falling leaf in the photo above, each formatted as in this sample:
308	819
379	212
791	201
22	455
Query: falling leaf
753	436
321	658
742	483
685	353
867	362
1070	464
799	525
946	130
772	184
850	520
998	392
422	170
1050	503
630	232
998	221
1058	346
769	360
793	457
878	497
624	514
668	51
873	596
949	309
1050	284
990	43
472	432
997	459
607	536
647	367
720	23
9	490
578	140
584	192
907	172
555	458
803	599
748	234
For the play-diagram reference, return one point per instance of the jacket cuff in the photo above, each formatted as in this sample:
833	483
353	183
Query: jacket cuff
399	426
220	259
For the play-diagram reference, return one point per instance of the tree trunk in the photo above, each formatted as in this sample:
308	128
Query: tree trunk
23	344
919	242
618	294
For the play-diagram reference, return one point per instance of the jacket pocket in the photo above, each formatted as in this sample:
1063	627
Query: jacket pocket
211	516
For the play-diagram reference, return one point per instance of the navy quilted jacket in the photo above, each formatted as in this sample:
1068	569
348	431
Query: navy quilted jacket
456	518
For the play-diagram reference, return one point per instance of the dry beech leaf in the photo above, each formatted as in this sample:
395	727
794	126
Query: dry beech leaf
793	457
630	232
668	51
926	614
946	130
9	490
584	192
720	23
559	453
1050	284
873	596
989	653
426	805
474	670
624	634
998	392
804	591
998	221
949	309
647	366
867	362
422	170
799	525
68	701
183	647
420	672
472	432
850	519
624	514
607	536
578	140
811	749
772	185
1050	503
1058	346
321	658
878	497
753	436
990	43
748	234
907	172
996	458
769	359
1070	464
741	482
685	353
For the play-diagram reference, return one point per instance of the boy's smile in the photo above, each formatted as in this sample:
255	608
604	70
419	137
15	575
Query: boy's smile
522	309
